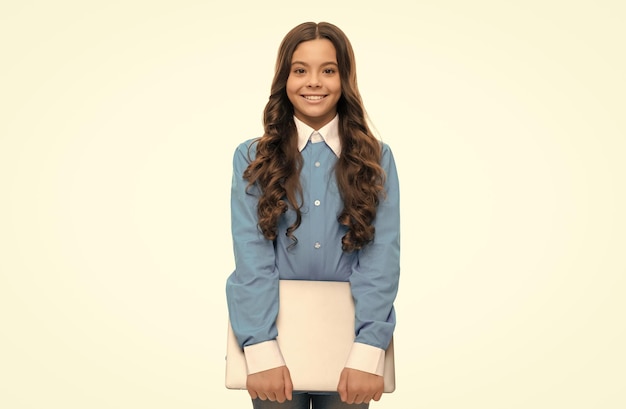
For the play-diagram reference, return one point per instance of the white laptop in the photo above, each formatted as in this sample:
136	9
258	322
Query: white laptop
315	334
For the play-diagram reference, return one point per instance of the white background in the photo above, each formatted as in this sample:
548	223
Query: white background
118	121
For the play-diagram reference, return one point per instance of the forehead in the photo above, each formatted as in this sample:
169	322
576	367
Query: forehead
318	51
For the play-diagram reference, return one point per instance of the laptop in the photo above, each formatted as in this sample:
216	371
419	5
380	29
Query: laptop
315	333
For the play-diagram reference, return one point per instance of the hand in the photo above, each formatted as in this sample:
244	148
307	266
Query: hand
359	387
273	384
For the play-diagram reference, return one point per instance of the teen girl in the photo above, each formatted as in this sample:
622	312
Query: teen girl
315	198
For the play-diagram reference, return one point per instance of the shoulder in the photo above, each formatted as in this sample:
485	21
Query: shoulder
248	145
386	155
246	151
385	148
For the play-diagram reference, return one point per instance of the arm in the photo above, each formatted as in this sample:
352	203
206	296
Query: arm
374	283
252	290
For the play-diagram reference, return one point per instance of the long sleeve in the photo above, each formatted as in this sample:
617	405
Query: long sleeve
252	289
375	277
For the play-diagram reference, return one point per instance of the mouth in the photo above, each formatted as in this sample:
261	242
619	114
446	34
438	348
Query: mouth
314	97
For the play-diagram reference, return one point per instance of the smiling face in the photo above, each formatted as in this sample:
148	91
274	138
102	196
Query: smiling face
313	85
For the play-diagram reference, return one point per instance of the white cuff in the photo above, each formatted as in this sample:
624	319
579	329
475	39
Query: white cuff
366	358
263	356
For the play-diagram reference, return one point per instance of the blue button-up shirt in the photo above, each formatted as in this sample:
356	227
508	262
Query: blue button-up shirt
373	272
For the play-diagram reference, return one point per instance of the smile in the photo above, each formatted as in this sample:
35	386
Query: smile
314	97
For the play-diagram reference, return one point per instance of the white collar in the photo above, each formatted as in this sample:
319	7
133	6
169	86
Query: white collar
329	133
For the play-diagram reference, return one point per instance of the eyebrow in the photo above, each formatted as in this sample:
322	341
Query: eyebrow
306	65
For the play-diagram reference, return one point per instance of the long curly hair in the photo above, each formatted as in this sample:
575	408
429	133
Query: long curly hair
277	165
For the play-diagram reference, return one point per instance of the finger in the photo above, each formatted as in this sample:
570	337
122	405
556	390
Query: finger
288	384
377	396
342	386
271	396
279	396
351	397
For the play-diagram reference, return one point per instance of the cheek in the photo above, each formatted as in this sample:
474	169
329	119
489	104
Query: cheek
291	90
293	84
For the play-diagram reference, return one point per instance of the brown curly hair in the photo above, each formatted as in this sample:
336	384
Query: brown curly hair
277	165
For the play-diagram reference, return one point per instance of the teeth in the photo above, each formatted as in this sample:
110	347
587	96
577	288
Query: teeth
313	97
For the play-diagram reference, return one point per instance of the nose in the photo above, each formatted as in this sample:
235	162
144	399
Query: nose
314	81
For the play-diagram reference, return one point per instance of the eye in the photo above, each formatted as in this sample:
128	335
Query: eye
329	71
299	71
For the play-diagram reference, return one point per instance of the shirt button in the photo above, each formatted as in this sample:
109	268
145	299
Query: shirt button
317	245
317	203
317	164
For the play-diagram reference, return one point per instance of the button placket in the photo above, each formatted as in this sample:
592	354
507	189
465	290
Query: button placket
318	177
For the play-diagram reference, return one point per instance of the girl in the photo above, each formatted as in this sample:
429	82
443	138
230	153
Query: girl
315	198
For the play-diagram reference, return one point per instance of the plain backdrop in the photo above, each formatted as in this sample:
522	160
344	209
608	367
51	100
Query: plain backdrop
118	121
